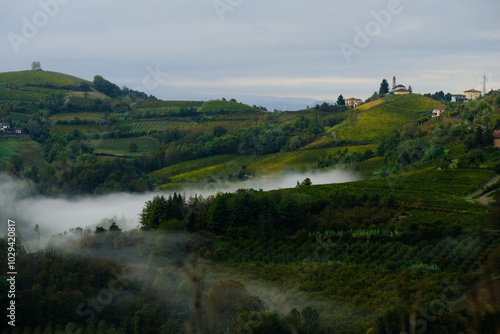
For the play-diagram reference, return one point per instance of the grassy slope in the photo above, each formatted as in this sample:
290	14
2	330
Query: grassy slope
30	150
22	78
382	119
34	94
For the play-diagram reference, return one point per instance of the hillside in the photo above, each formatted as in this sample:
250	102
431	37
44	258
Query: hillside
62	112
26	78
372	123
411	246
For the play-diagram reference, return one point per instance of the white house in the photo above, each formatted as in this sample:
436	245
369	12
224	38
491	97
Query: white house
438	111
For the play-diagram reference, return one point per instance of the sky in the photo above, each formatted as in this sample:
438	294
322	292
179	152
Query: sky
253	50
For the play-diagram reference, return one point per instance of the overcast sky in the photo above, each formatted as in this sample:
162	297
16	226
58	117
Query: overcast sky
313	49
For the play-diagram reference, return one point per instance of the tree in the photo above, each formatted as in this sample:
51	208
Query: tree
340	100
384	87
154	212
306	182
114	227
410	89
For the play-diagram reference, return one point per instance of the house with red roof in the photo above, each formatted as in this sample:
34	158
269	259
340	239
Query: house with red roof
472	94
353	102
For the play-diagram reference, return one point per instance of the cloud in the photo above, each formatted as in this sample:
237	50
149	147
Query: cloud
489	35
291	46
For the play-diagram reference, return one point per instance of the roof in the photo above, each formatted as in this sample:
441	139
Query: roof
472	91
353	99
440	108
496	134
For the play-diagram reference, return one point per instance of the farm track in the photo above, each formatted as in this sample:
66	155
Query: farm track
483	200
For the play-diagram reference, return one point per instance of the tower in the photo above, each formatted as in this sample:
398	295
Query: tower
484	84
393	82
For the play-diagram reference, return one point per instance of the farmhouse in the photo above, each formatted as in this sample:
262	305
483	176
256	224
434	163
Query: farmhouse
472	94
438	111
459	98
353	102
7	130
496	137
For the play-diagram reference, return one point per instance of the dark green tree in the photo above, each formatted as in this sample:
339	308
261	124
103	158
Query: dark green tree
340	100
154	212
384	87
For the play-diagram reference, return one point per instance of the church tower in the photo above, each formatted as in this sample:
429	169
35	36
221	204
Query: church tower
393	82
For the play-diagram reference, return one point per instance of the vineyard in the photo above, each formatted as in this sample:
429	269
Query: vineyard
68	129
381	120
169	104
18	118
121	146
160	126
87	116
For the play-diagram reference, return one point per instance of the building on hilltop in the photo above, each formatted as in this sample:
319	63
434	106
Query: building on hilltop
398	89
472	94
36	66
353	102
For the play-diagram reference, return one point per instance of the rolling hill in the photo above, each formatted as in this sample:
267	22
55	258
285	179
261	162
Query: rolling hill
384	117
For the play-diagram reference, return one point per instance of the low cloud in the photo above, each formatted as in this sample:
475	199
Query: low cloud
56	215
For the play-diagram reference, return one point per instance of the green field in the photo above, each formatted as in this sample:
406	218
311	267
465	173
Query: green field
30	150
384	118
120	146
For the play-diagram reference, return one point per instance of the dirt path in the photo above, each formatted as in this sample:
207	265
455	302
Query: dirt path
484	199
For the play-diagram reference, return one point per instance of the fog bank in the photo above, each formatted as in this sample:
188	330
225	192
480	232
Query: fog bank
55	215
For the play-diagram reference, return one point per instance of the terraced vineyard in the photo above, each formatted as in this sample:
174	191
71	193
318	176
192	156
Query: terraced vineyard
121	146
66	129
90	116
17	117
